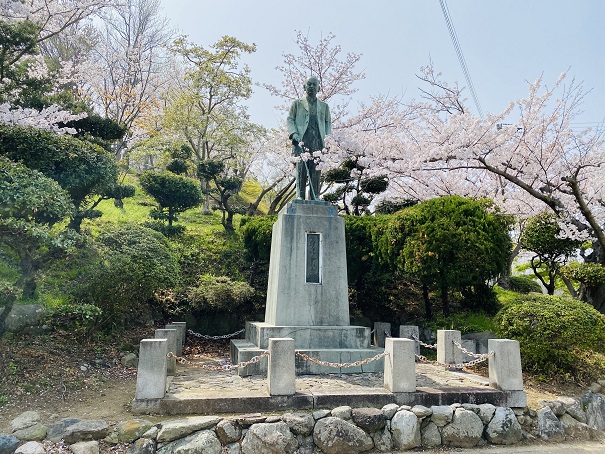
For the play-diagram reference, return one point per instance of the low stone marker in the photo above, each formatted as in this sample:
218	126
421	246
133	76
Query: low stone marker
281	373
505	371
447	352
184	332
180	332
410	332
151	372
382	330
399	365
171	347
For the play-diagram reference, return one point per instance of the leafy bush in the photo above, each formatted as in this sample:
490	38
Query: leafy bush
133	263
256	232
465	322
555	333
449	244
590	274
79	319
524	284
219	293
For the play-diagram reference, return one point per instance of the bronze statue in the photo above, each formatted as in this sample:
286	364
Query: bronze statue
308	122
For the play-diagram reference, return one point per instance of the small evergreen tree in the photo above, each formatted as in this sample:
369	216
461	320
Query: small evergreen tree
173	193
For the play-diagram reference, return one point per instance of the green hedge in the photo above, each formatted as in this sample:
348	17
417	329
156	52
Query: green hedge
524	284
556	335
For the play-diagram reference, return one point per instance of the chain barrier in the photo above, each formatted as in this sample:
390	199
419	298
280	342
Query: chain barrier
339	365
224	336
222	368
469	353
433	347
479	359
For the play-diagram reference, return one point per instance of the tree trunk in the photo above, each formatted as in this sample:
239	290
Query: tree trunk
504	278
206	203
7	300
428	308
595	296
445	302
282	197
27	281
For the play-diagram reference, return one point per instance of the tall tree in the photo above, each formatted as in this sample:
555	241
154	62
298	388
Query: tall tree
131	53
207	110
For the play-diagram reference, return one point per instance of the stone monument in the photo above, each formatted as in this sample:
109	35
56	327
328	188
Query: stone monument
307	294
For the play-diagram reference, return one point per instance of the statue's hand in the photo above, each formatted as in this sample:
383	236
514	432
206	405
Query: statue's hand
295	138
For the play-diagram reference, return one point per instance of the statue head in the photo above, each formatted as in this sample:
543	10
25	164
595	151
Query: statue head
312	86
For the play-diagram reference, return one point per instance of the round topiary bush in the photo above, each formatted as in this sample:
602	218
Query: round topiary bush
556	335
524	284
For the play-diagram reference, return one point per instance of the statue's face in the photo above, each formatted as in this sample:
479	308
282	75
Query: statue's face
312	86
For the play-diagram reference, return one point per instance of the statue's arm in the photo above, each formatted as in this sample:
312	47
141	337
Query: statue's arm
328	121
292	129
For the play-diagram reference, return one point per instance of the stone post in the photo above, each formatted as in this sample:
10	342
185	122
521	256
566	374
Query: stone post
410	332
184	333
151	373
505	365
281	372
399	365
447	352
380	328
505	370
171	347
180	331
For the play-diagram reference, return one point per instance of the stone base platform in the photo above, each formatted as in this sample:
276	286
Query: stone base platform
312	400
243	350
198	391
310	337
335	344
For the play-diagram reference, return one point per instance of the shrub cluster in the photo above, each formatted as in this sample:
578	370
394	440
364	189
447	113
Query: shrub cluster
524	284
555	334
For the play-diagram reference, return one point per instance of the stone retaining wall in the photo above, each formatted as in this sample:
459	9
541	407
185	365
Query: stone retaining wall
343	430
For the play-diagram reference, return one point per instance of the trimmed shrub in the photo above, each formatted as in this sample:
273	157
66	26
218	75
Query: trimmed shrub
555	333
219	293
524	284
134	262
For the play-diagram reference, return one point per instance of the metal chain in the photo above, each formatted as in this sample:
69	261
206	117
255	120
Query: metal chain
224	336
223	368
339	365
483	357
434	347
464	350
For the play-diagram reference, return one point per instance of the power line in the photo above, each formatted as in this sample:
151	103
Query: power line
456	43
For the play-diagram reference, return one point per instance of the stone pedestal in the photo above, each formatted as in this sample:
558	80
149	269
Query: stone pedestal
307	295
308	267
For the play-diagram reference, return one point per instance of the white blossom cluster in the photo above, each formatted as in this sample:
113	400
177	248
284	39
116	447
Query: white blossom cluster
48	118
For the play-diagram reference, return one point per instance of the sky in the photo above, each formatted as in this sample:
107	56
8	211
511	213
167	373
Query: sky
506	44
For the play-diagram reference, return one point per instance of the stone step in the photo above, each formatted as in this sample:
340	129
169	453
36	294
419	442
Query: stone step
243	350
250	402
310	337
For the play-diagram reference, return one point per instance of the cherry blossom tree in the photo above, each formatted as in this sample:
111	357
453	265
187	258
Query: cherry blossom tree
132	65
336	75
527	158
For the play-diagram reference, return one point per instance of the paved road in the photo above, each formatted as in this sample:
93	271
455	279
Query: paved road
588	447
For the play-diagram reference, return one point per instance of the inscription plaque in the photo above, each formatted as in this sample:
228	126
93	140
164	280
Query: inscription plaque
313	259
